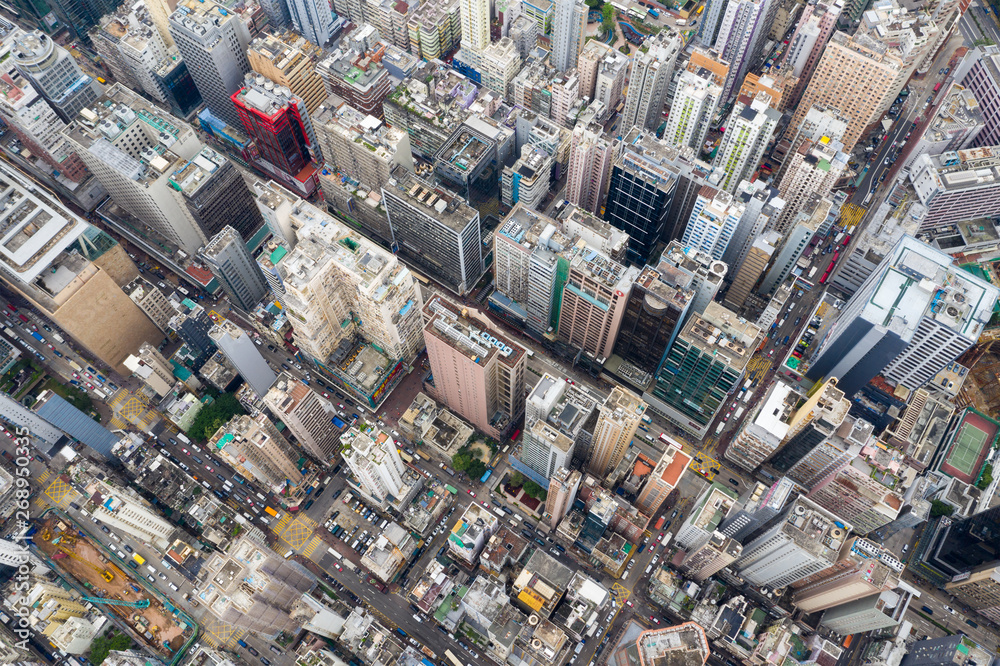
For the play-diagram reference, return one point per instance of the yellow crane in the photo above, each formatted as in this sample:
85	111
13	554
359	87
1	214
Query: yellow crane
65	552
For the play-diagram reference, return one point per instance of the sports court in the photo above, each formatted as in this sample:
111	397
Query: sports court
970	447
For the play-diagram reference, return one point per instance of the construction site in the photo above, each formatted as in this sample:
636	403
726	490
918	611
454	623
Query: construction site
105	582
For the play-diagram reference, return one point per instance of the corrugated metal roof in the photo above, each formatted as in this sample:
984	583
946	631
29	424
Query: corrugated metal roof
78	425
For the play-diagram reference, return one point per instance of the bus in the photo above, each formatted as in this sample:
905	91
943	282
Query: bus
451	489
405	456
937	86
138	558
452	658
270	511
667	440
485	477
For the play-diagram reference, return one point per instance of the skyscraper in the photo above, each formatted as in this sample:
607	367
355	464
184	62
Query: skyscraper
939	312
544	449
233	266
241	351
815	26
475	25
54	74
713	555
811	170
691	114
478	373
563	487
569	32
805	540
709	510
435	229
853	76
876	611
289	60
759	504
750	270
950	548
279	124
861	494
751	125
641	189
312	19
663	479
764	429
617	422
255	448
375	462
590	158
306	414
702	367
742	35
863	568
213	41
649	79
713	221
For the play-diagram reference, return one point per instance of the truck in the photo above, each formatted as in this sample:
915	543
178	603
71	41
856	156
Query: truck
486	476
646	419
666	539
38	336
335	553
75	366
58	338
423	454
138	558
739	412
654	13
451	489
337	422
9	331
812	271
659	523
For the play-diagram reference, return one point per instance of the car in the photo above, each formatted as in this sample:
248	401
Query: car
629	604
971	624
265	661
160	575
150	578
128	548
471	493
485	504
89	385
654	619
950	609
104	528
209	468
734	481
185	451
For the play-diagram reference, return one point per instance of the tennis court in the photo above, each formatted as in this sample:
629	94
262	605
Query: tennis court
968	445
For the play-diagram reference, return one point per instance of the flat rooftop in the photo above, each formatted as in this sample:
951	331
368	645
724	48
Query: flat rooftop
446	322
438	203
719	331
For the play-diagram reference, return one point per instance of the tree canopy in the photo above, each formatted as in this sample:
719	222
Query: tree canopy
102	645
939	508
214	416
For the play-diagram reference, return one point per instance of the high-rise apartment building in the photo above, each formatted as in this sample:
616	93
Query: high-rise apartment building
750	128
241	351
306	415
593	301
816	420
435	229
811	170
569	411
761	204
702	367
230	261
762	433
360	145
657	306
279	124
817	217
289	60
545	450
663	479
816	24
695	104
612	71
213	41
714	555
827	459
863	568
154	370
979	590
805	540
569	32
641	190
860	494
475	25
759	504
338	285
713	221
54	73
943	185
527	180
648	82
709	510
939	312
359	78
133	515
617	422
853	76
375	462
313	19
255	447
594	51
563	487
478	373
590	159
742	35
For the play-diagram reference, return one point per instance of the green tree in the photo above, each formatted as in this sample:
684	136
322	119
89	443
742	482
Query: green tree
102	645
608	23
214	416
986	478
939	508
515	479
532	489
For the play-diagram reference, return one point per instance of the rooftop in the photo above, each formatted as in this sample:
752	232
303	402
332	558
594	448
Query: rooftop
815	530
192	176
720	332
438	203
449	323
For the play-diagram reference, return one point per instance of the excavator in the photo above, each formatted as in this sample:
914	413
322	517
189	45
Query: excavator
65	552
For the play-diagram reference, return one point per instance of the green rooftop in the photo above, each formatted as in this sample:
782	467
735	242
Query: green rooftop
278	254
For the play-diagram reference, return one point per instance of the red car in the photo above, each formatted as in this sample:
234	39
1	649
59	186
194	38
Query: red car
655	619
471	493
